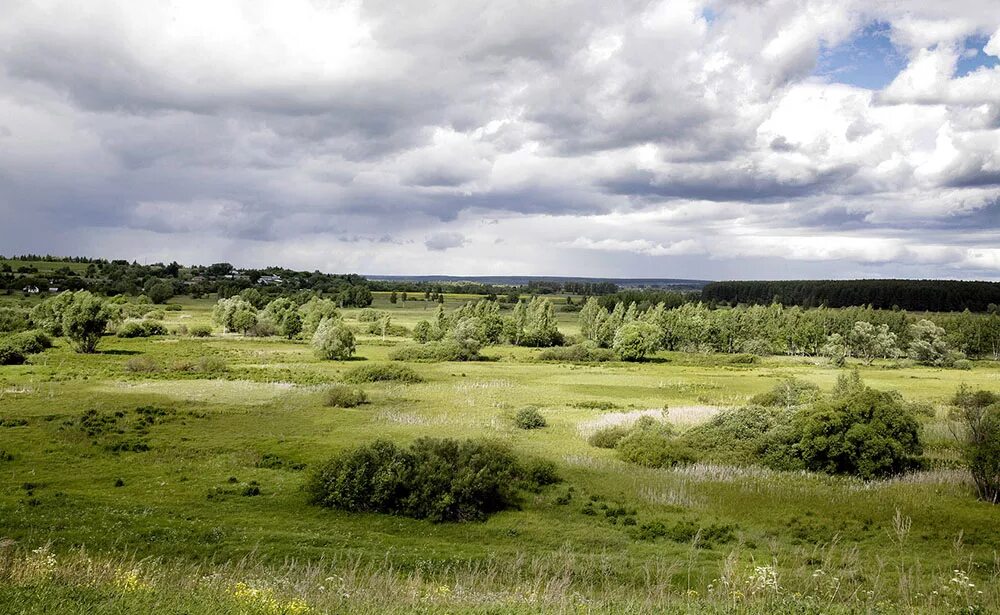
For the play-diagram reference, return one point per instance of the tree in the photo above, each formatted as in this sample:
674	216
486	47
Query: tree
868	342
393	297
588	317
48	315
333	340
158	290
634	340
978	417
235	314
84	321
314	311
540	327
928	345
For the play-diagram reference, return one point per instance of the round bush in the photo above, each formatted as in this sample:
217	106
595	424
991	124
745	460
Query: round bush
339	396
608	437
440	480
333	340
382	372
529	418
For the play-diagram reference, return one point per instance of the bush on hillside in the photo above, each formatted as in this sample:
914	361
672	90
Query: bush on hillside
529	418
434	352
586	352
652	443
382	372
440	480
340	396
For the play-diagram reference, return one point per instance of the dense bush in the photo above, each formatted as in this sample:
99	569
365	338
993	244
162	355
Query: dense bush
738	436
145	328
540	473
865	433
200	330
433	351
15	349
13	320
529	418
340	396
204	365
440	480
371	315
333	340
609	437
978	414
382	372
652	443
586	352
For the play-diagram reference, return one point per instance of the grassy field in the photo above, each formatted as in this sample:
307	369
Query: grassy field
86	528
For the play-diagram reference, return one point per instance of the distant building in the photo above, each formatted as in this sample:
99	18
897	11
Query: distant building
31	290
269	279
53	289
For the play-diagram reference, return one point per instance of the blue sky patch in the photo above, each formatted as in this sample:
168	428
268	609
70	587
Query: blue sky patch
974	58
869	60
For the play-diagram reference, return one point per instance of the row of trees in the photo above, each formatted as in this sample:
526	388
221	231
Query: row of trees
864	333
528	324
918	295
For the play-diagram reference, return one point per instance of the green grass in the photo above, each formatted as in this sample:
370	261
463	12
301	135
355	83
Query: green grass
180	516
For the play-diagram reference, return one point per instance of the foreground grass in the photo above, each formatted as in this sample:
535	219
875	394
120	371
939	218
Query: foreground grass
174	519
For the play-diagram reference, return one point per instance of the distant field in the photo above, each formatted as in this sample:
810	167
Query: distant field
168	529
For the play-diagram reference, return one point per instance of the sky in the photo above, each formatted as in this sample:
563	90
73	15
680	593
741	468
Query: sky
739	139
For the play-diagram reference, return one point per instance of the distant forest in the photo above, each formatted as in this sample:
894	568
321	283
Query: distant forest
913	295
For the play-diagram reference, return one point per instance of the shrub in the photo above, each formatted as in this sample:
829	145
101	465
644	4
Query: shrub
586	352
978	413
371	315
200	330
609	437
333	340
433	352
529	418
12	320
145	328
737	436
866	433
140	365
382	372
340	396
14	349
204	365
440	480
787	393
652	444
539	473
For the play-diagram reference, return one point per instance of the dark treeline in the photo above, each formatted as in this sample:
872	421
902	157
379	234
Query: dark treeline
532	288
914	295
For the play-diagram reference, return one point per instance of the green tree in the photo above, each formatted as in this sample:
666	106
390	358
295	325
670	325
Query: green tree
235	314
333	340
158	290
978	418
928	345
84	321
869	342
634	340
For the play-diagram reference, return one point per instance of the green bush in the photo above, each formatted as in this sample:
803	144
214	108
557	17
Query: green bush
200	330
540	473
586	352
609	437
866	433
433	352
978	414
333	340
440	480
14	349
145	328
652	444
737	436
204	365
340	396
13	320
371	315
382	372
529	418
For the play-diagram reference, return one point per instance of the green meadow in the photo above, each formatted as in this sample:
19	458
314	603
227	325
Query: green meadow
147	486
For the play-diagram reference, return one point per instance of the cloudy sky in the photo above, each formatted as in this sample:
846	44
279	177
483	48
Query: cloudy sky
699	139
